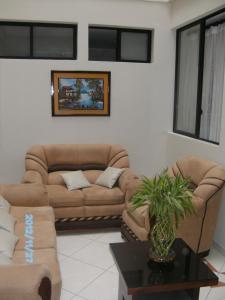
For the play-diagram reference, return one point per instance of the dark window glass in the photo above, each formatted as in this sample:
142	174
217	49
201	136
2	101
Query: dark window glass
52	42
118	44
14	41
134	46
102	44
37	40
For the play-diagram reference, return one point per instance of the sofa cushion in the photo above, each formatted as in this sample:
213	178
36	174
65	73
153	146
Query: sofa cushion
41	213
7	221
56	178
92	175
59	196
4	204
98	195
7	242
109	177
75	180
49	258
42	234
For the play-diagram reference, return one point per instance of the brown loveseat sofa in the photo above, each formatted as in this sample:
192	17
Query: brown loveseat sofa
34	273
93	206
197	230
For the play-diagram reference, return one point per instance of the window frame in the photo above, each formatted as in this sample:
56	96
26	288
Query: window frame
120	30
203	27
31	26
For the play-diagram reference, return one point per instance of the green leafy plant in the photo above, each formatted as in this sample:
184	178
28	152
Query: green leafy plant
169	201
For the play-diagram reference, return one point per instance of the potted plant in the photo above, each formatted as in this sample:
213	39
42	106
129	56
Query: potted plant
169	201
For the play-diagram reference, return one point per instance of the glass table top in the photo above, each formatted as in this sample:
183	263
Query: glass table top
186	271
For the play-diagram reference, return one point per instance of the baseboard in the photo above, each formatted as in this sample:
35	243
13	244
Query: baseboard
219	248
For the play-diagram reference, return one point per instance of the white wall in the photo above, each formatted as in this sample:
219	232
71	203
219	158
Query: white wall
178	145
185	10
141	94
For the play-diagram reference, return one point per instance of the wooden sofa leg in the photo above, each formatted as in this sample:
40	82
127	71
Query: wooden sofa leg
45	289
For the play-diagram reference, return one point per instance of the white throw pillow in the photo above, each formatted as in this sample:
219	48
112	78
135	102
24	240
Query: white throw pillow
7	243
7	222
4	204
75	180
5	260
109	177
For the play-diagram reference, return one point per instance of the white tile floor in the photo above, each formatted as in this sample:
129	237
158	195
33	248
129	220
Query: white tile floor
89	273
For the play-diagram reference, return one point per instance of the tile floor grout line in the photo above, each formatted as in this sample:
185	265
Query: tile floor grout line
92	265
70	255
101	269
91	282
77	293
86	262
78	259
208	293
96	279
105	243
89	242
110	268
85	246
69	292
83	298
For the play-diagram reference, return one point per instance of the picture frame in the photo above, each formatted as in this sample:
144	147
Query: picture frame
80	93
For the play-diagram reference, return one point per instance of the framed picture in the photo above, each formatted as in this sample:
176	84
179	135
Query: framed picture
80	93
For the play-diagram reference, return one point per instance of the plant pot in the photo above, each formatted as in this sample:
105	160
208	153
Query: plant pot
162	237
153	256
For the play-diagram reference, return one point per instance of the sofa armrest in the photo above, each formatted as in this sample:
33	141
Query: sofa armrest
25	282
25	194
125	178
198	202
132	188
32	177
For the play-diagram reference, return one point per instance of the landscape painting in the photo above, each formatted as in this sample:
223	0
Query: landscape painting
80	93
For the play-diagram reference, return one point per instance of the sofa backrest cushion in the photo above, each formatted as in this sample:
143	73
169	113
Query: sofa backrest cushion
55	178
72	157
192	167
207	177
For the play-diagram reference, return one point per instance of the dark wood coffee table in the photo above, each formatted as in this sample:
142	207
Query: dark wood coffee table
140	279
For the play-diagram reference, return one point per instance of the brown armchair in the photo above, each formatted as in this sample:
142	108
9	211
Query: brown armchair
197	230
96	205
